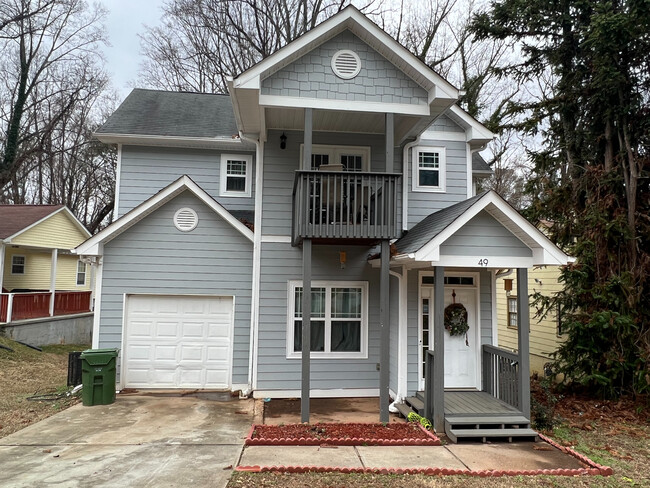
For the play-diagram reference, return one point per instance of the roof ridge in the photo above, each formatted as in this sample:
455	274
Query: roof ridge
184	92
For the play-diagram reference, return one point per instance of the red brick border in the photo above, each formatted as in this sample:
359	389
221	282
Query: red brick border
431	440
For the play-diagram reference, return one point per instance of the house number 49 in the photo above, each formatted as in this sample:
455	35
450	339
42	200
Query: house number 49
483	262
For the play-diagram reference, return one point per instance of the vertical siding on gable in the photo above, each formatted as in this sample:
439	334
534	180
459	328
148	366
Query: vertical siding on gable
153	257
146	170
280	166
312	76
422	204
282	263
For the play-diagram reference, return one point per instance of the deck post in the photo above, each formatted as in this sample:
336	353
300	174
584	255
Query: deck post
523	345
390	142
439	349
384	323
306	329
55	255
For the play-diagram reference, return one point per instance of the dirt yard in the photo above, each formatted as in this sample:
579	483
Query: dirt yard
26	372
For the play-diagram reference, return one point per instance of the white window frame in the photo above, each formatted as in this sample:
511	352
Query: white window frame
442	169
24	264
328	285
84	272
335	153
248	177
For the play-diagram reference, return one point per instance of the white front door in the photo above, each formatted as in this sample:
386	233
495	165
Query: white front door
461	363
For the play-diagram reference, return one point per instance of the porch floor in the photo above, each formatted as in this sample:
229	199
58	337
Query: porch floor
476	404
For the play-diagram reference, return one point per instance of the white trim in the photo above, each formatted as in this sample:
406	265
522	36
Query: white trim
495	325
335	152
64	209
53	263
193	223
118	176
98	299
2	264
13	256
328	284
335	67
344	105
492	261
257	259
470	176
475	130
319	393
228	143
276	239
442	169
248	177
91	246
406	161
402	336
434	136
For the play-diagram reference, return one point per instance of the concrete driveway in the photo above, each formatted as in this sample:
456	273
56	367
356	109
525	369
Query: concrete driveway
140	440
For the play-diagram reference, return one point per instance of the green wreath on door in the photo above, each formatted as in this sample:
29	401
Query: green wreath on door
456	319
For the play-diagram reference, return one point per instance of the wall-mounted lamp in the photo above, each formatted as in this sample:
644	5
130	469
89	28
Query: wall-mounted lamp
283	141
343	257
507	285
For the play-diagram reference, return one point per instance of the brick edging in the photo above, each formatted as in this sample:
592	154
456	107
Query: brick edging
604	470
431	440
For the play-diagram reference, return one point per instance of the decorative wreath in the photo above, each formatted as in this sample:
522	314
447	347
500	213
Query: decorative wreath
456	319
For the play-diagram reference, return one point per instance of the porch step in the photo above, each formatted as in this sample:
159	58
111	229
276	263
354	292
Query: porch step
488	422
420	395
403	409
416	404
486	434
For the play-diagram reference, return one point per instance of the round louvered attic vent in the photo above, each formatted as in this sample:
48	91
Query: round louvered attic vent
346	64
185	219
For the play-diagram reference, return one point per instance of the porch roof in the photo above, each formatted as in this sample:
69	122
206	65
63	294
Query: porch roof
423	242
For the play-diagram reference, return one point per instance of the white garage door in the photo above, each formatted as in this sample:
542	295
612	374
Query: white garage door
178	342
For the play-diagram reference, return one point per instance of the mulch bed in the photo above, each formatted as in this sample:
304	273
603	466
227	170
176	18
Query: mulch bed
342	434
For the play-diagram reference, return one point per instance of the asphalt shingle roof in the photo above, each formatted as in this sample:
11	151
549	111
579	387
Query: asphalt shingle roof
14	218
431	226
180	114
479	165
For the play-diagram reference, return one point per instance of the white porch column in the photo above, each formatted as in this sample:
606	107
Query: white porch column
523	345
384	324
2	264
55	255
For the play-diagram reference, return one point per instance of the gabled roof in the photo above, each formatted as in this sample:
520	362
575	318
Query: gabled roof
480	166
93	246
156	115
423	242
16	219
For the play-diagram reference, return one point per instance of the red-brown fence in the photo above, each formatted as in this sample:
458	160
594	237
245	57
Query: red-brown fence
21	306
71	302
4	303
30	305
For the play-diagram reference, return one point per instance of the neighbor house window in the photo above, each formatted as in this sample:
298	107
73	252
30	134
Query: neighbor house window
429	169
236	175
339	319
81	273
18	265
512	312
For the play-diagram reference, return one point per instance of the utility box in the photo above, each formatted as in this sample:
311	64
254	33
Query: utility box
98	376
74	368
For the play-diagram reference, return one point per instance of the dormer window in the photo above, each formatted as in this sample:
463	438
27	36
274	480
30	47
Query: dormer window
429	169
236	175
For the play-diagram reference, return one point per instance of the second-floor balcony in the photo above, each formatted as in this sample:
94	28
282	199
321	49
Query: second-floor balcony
335	205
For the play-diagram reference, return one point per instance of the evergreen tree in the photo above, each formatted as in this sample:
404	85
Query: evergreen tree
591	61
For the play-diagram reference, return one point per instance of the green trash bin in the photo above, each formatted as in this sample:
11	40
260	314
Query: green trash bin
98	376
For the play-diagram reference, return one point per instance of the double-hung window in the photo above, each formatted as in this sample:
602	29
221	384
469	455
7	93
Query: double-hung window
236	175
81	273
351	158
18	265
339	319
429	169
512	312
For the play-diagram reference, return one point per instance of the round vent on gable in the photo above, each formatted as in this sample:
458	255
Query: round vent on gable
185	219
346	64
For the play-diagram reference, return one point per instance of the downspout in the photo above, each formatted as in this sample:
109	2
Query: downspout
405	179
257	252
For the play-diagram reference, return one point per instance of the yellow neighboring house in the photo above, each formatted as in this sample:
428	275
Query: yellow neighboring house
545	335
36	258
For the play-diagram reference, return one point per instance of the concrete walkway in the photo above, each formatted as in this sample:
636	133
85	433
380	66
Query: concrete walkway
140	440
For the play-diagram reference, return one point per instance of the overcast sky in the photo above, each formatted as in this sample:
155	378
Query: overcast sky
124	22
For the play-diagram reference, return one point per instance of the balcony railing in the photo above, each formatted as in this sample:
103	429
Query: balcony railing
344	205
22	306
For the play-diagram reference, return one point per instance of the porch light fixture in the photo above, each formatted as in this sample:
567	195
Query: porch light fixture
507	285
283	141
343	257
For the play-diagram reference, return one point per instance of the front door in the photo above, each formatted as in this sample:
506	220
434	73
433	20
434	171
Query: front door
461	363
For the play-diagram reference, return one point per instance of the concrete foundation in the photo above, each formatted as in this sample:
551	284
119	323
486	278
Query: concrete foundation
65	329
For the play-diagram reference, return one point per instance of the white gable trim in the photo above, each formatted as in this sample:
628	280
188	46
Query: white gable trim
360	25
63	209
544	251
349	105
93	245
474	129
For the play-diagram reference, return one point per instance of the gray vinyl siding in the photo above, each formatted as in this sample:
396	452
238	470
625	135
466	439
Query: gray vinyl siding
282	263
280	166
484	236
413	331
153	257
312	76
146	170
422	204
394	333
442	124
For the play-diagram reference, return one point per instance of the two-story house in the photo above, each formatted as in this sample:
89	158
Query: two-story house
340	164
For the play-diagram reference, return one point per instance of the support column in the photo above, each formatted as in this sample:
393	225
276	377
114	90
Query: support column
523	344
390	142
307	141
2	264
55	254
384	323
306	329
439	349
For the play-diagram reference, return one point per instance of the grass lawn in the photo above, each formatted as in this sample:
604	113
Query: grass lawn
26	372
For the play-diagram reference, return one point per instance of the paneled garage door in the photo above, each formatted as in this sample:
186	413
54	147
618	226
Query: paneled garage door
178	341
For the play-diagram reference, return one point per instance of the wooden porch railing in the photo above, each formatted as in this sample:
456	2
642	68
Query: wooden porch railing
500	369
429	378
344	205
22	306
